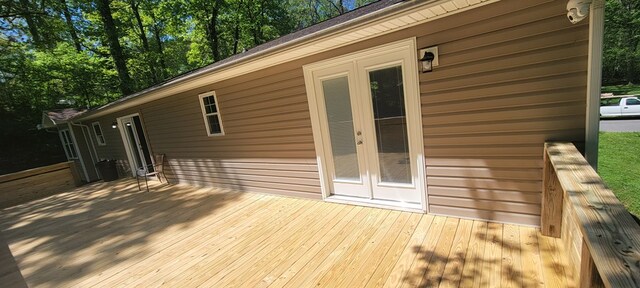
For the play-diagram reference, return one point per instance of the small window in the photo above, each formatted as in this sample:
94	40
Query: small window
632	101
97	130
67	144
211	113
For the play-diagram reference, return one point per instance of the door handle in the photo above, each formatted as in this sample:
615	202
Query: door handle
626	108
359	142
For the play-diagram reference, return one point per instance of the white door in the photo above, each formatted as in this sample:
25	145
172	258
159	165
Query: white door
369	125
136	144
340	118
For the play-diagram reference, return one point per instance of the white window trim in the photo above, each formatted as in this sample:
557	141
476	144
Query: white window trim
65	144
205	115
104	141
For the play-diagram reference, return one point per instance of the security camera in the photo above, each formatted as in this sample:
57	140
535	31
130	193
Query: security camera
577	10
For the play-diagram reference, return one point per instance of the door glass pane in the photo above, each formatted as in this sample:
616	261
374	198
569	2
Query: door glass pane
143	144
343	145
133	145
391	124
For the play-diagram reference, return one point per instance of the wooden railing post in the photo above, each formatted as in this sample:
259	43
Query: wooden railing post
589	276
552	198
608	238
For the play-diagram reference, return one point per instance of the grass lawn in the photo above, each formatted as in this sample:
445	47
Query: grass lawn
622	89
619	166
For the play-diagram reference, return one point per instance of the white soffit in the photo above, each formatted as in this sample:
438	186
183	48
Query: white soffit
382	25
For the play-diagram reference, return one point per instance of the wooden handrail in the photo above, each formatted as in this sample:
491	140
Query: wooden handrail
24	186
610	235
34	171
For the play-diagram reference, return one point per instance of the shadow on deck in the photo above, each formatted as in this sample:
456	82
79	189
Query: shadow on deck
73	235
111	234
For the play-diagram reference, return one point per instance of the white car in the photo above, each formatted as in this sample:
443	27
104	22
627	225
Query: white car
613	107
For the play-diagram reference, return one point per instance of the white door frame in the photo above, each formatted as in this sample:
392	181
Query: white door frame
414	113
127	148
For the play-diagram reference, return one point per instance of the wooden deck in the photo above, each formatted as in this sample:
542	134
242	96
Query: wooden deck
111	235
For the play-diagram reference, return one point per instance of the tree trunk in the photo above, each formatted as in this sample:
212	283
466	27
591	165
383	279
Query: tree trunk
236	28
142	35
31	22
143	38
261	21
256	21
156	34
114	46
212	32
236	36
70	27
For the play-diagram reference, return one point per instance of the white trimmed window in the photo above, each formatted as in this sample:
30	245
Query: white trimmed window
68	145
97	130
211	114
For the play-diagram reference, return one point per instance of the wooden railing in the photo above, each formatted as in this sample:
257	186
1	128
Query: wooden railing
597	230
28	185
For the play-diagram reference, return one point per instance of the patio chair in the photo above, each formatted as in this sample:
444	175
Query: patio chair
157	171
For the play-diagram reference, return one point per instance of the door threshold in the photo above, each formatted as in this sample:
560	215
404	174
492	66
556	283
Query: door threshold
377	203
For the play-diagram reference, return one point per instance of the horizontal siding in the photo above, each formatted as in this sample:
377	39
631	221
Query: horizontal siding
274	176
512	75
114	148
502	89
83	146
268	146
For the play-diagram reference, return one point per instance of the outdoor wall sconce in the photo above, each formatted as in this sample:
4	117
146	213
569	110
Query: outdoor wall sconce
428	59
114	125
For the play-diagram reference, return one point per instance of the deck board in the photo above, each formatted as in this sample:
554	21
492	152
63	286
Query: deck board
457	256
112	235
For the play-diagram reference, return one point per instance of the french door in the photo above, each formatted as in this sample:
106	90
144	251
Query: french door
368	120
136	144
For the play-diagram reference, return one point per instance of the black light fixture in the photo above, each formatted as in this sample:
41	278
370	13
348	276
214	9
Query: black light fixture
427	61
114	125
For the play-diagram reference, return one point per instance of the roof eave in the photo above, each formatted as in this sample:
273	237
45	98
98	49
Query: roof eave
388	12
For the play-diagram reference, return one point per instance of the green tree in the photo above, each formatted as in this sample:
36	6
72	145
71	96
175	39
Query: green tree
90	52
114	46
621	56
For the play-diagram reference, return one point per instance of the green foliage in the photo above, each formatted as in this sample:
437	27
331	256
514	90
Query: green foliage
55	50
627	89
65	49
617	164
621	55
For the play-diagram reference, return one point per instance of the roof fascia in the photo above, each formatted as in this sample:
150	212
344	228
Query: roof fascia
410	11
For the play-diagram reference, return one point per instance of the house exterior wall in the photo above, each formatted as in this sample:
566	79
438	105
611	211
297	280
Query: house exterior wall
506	85
114	148
84	148
512	75
84	153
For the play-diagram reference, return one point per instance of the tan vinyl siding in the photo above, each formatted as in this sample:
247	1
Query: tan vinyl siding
512	75
114	150
84	153
84	147
267	147
506	84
